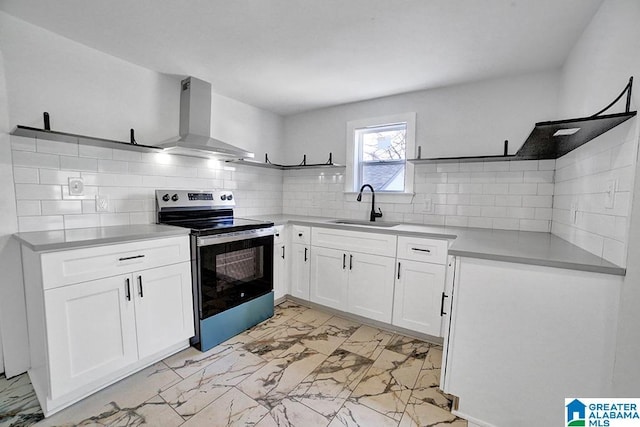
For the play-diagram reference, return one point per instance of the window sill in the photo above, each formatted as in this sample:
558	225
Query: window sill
382	197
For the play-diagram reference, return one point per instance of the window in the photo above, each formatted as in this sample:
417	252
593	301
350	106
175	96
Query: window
378	151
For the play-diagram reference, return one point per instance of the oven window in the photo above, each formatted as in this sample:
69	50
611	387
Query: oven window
233	273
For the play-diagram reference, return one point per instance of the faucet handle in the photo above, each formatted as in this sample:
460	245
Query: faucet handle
378	214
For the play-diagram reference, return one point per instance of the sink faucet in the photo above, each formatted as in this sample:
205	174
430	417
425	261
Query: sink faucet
374	214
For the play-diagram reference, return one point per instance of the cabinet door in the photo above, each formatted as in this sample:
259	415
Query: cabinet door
299	280
90	331
164	307
371	286
279	270
418	295
329	277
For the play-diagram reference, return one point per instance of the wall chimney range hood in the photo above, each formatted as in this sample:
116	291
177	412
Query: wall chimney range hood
195	126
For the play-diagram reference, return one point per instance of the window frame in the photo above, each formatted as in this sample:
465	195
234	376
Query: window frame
353	163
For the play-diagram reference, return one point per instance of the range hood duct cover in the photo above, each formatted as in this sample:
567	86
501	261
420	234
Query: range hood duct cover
195	125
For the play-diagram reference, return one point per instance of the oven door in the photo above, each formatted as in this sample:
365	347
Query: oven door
233	270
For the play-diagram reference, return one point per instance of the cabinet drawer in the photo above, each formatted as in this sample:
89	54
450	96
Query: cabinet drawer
80	265
354	241
300	234
279	236
419	249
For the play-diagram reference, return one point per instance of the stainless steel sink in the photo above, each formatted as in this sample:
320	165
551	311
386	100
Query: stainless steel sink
367	223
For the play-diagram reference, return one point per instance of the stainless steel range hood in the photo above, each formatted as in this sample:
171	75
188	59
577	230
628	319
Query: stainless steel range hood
195	125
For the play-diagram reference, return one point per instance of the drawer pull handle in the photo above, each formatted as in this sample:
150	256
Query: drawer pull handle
398	271
421	250
283	252
305	254
442	313
140	287
344	261
350	262
127	289
130	257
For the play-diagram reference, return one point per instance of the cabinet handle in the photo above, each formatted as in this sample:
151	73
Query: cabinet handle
299	234
398	271
305	254
277	234
282	252
344	261
350	262
442	313
130	257
127	289
421	250
140	287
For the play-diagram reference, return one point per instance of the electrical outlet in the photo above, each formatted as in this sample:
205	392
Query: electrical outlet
76	186
610	195
573	213
102	204
428	205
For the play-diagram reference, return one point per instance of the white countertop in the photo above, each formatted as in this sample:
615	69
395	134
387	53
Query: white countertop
525	247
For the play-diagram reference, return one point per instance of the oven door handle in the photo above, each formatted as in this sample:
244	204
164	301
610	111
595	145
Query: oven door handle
232	237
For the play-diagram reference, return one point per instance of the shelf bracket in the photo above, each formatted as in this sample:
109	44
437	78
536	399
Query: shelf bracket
627	89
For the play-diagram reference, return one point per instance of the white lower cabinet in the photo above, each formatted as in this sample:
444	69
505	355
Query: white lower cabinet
279	270
85	335
358	283
329	277
299	279
418	296
91	330
371	286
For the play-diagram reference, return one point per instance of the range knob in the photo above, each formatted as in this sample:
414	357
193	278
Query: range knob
165	197
230	197
175	197
223	197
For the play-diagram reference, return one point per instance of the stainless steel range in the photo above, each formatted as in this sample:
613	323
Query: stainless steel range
231	262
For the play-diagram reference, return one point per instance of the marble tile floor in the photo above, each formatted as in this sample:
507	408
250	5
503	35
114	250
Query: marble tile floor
303	367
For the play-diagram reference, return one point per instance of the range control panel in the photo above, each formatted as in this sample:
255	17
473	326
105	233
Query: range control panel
194	198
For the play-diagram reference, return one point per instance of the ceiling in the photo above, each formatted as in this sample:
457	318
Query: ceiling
289	56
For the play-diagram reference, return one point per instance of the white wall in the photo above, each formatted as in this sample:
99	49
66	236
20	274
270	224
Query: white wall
595	72
89	92
13	330
463	120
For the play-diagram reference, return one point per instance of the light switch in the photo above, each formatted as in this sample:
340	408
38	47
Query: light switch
76	186
428	205
102	204
610	195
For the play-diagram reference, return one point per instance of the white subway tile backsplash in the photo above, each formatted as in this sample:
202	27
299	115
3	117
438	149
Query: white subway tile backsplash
56	147
35	160
523	189
547	165
447	188
448	167
25	175
480	222
508	200
81	221
456	221
524	165
79	163
38	192
507	224
469	211
109	219
40	223
615	251
482	200
112	166
537	201
544	213
470	188
494	211
61	207
28	207
22	143
509	177
522	213
495	188
100	153
472	167
535	225
546	189
61	177
496	166
539	176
